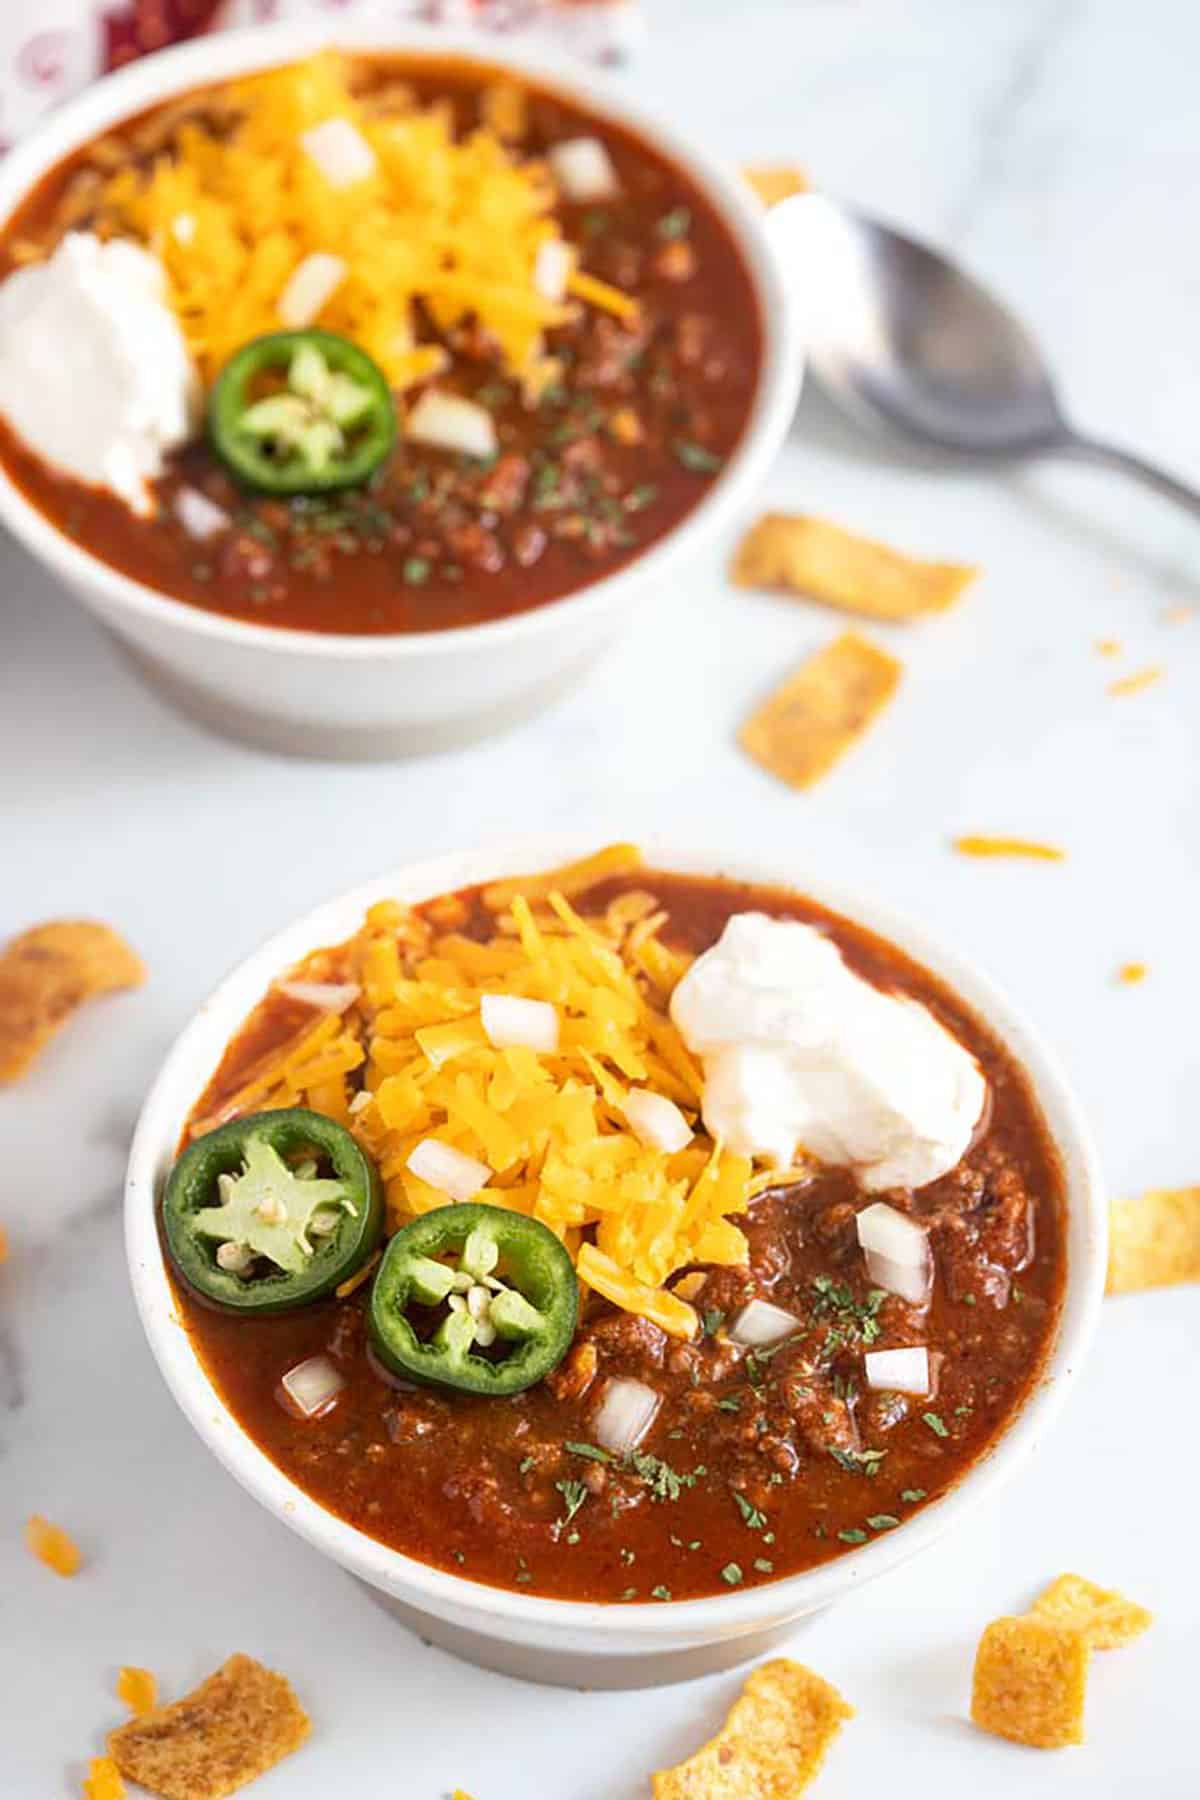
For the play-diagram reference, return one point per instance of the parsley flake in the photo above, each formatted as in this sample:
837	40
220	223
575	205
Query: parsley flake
763	1566
696	458
751	1517
883	1522
574	1493
935	1424
675	224
592	1452
912	1495
664	1482
857	1462
660	1593
853	1536
731	1573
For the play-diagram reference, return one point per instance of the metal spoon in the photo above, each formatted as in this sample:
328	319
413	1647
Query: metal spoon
900	336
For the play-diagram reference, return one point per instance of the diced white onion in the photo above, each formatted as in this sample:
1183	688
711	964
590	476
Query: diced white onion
656	1121
200	517
510	1021
759	1324
340	151
625	1414
449	422
552	268
584	170
330	996
897	1252
313	1385
901	1371
309	288
447	1169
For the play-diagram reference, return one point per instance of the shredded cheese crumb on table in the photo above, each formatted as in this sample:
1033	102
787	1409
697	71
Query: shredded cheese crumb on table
52	1546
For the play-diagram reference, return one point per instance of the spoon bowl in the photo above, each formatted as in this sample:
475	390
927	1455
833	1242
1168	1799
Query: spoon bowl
903	339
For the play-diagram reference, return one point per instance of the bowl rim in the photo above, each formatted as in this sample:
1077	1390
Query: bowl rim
225	55
604	1624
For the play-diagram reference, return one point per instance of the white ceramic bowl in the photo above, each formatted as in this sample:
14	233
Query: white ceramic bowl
560	1640
308	693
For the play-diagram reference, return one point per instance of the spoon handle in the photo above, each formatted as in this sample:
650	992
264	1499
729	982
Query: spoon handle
1093	450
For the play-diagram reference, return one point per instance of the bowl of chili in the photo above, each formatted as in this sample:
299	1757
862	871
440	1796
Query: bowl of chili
583	1603
374	551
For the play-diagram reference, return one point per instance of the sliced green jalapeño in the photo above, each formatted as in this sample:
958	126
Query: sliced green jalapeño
272	1211
301	412
472	1279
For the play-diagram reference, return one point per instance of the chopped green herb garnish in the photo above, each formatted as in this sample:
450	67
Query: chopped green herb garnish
660	1593
711	1321
664	1482
593	1452
697	458
853	1536
935	1424
638	498
523	1575
857	1462
912	1495
883	1522
731	1573
730	1403
968	1299
763	1566
415	570
675	224
750	1514
768	1537
629	1594
574	1494
526	1463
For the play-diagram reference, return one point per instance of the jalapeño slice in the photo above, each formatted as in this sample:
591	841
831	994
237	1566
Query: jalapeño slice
301	412
255	1223
469	1279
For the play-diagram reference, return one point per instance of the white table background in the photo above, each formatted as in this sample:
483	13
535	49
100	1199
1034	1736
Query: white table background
1057	146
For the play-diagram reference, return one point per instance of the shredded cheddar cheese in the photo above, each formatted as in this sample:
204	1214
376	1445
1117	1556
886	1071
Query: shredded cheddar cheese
1006	846
137	1689
450	225
549	1125
52	1546
103	1780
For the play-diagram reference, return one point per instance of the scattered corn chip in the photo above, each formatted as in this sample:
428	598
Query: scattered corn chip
1131	973
235	1726
46	973
138	1690
771	1745
1133	684
51	1545
773	182
1105	1617
819	559
103	1780
1031	1681
806	725
1008	846
1154	1241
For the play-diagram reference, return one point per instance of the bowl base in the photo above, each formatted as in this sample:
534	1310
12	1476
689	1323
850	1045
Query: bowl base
565	1668
319	741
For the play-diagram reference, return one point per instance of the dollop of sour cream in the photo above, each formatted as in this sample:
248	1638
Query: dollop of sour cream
801	1055
95	375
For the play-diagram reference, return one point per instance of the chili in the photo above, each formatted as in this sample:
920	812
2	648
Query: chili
474	1278
329	425
252	1224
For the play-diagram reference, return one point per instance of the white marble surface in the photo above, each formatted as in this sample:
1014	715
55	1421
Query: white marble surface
1055	142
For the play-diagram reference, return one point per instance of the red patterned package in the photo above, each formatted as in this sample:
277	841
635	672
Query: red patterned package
74	41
